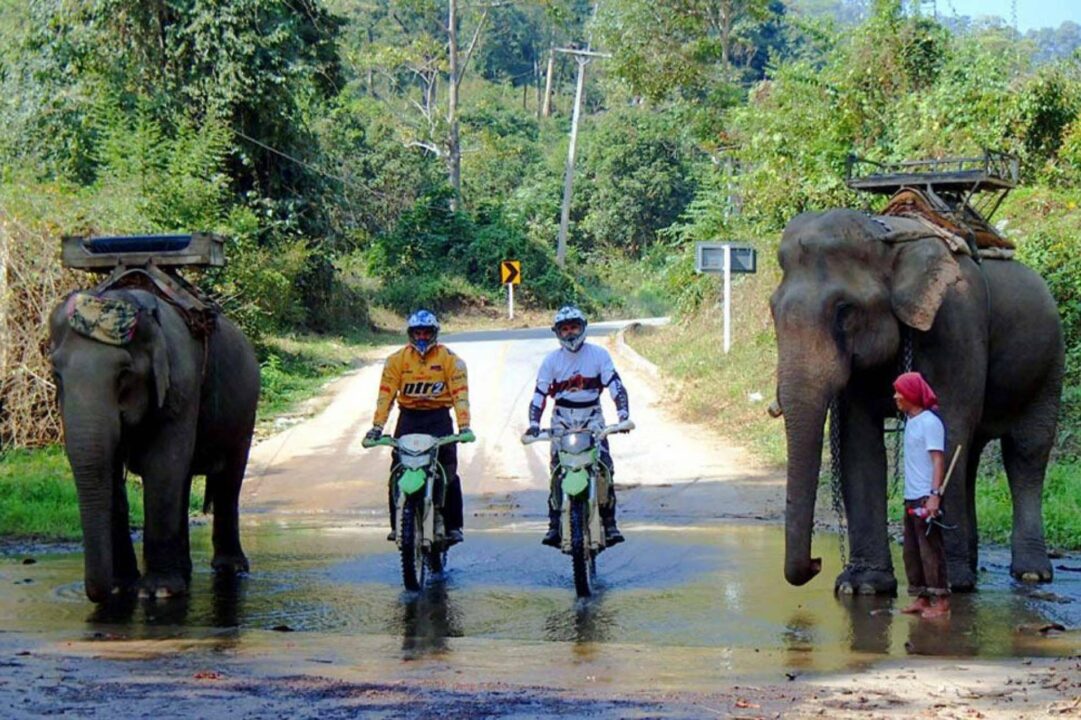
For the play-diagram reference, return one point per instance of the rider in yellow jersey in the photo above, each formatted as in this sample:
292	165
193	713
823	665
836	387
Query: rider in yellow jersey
427	380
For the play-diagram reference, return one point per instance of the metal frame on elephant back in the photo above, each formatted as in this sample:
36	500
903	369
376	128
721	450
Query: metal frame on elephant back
151	263
958	194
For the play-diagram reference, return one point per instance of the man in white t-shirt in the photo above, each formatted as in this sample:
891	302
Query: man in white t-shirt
574	376
925	446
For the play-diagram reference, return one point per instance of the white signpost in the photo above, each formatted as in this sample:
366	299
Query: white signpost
510	274
725	258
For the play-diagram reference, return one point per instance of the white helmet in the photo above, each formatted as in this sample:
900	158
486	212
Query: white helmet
422	319
568	314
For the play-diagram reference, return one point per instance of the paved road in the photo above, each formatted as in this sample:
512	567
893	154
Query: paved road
319	465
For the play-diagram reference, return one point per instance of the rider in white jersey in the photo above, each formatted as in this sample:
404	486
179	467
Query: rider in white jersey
574	376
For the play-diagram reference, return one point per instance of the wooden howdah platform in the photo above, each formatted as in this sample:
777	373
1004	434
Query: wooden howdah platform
105	254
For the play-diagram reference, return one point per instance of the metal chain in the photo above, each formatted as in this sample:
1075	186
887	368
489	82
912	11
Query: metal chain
835	477
904	365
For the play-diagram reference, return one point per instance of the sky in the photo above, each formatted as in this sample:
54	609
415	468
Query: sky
1030	13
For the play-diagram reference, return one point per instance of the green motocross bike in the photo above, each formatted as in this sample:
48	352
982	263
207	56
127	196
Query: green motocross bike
582	478
418	513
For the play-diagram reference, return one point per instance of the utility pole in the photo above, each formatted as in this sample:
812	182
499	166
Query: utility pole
582	57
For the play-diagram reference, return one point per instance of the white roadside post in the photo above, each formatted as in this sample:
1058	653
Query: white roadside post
727	298
510	274
725	259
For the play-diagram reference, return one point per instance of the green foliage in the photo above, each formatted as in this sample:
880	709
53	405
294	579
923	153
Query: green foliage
637	176
441	259
668	48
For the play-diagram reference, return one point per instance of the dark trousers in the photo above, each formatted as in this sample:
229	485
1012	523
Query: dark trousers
437	423
925	555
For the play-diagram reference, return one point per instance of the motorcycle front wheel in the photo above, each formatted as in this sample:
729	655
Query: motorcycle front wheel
581	553
413	565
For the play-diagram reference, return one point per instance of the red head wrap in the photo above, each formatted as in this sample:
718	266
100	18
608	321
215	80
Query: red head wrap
915	389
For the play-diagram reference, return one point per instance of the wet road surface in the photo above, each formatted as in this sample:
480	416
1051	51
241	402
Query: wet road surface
692	610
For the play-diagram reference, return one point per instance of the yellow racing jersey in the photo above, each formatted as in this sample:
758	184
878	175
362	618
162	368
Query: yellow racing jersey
431	381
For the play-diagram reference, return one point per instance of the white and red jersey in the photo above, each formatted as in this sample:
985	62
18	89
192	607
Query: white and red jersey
575	380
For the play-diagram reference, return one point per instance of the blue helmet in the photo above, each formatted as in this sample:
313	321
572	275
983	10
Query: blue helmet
568	314
422	319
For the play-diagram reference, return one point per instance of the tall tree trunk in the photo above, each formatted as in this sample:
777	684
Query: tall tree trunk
454	155
546	110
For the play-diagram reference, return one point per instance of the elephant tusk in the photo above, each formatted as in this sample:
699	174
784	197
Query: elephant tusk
775	410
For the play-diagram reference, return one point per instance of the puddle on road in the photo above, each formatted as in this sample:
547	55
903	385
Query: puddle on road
680	592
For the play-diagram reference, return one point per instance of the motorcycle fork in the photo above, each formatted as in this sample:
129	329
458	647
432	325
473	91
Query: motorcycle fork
430	523
596	537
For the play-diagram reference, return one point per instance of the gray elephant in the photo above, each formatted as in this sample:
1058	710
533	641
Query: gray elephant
139	390
987	337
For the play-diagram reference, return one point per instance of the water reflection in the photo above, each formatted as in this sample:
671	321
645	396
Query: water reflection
585	620
870	619
427	619
799	639
228	592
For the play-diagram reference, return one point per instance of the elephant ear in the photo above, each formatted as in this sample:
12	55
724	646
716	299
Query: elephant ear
923	271
159	357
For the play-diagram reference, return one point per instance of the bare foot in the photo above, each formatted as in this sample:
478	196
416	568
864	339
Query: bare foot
937	610
918	607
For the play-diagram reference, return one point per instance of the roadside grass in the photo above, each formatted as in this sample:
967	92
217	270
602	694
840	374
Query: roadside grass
729	393
720	391
37	492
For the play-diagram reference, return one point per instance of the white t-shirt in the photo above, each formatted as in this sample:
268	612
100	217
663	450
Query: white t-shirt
923	433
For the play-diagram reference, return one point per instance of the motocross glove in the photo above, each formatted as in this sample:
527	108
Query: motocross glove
466	435
533	431
375	433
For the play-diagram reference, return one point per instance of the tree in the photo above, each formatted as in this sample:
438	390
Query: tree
680	48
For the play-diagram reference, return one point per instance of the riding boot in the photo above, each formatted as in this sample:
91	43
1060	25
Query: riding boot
612	535
552	537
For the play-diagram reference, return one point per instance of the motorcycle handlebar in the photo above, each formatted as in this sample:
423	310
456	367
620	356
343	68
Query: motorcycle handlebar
390	441
553	433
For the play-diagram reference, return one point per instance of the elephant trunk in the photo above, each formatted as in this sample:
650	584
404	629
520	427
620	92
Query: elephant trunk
805	402
91	447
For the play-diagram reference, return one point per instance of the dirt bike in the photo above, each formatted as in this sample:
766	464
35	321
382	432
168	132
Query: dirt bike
417	516
583	479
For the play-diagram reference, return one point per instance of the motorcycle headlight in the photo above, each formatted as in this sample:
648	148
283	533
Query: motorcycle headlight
574	461
414	461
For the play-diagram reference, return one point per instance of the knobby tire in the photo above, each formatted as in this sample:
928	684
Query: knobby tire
581	555
412	552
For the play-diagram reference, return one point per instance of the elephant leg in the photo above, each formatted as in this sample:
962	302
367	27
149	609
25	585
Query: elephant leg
962	543
1025	456
166	479
125	566
185	530
863	471
224	490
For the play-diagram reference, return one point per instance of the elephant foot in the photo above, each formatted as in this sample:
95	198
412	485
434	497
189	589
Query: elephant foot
856	580
962	578
1028	571
122	585
162	586
231	564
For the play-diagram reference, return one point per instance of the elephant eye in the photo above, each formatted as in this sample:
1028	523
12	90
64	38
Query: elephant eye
843	313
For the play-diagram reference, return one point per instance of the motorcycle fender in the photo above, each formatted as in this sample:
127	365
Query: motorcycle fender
411	480
575	482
